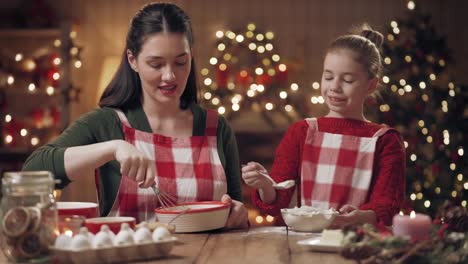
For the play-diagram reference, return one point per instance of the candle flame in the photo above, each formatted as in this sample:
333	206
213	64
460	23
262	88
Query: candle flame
401	213
68	233
412	214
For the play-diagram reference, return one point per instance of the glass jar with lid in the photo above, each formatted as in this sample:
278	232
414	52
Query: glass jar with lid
28	215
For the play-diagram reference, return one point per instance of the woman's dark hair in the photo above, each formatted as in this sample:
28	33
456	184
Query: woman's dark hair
124	90
366	44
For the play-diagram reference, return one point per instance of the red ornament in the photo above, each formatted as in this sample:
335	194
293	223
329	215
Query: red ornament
441	231
243	78
53	56
50	74
56	116
222	77
12	129
264	79
37	116
282	73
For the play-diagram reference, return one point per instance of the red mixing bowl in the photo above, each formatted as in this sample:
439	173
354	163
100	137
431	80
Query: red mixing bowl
114	223
88	210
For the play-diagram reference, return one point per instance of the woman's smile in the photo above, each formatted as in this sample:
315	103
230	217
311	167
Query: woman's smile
168	89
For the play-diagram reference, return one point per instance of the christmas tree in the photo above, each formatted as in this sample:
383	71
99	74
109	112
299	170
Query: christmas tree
427	107
246	73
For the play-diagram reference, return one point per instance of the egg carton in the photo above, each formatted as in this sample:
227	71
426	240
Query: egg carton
136	252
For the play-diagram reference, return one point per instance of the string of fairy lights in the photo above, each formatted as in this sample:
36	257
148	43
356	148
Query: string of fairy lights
248	73
31	73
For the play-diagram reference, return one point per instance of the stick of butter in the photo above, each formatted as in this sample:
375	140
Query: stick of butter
332	237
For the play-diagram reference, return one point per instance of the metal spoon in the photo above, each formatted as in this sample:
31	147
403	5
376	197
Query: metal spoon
280	185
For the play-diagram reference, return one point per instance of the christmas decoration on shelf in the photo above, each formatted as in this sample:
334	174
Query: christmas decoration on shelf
247	74
447	244
36	74
427	107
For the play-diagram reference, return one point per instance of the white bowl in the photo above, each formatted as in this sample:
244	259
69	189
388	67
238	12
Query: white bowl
200	216
308	219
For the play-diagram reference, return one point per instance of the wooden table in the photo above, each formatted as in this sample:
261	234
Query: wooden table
257	245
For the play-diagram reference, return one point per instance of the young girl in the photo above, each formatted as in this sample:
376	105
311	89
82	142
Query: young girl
150	129
340	160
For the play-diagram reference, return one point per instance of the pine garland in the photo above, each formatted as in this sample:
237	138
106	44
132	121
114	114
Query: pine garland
449	243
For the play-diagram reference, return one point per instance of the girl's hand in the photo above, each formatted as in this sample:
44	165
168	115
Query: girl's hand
252	177
134	164
351	215
238	217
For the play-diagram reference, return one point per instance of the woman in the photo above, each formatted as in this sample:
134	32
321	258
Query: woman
150	129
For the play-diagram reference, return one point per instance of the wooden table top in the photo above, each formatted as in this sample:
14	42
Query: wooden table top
257	245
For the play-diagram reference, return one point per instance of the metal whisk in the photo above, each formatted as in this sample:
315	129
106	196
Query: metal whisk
165	199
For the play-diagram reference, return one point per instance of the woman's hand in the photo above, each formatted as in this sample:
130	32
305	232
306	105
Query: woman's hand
238	217
252	177
351	215
134	164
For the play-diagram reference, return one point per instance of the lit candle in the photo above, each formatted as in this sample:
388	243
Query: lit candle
70	224
415	226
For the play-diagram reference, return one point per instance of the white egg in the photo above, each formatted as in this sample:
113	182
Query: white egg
104	238
142	235
125	236
161	233
84	231
106	229
80	242
126	226
63	241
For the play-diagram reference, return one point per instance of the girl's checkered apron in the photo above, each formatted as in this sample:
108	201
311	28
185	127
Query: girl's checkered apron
188	168
336	169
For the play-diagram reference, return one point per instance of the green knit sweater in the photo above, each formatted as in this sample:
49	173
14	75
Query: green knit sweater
103	125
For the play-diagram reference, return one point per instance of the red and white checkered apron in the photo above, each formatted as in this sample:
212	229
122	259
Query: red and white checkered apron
187	168
336	169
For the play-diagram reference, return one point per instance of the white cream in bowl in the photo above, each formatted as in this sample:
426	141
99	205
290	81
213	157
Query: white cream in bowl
308	219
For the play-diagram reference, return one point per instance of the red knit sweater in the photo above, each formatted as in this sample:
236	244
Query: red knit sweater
387	190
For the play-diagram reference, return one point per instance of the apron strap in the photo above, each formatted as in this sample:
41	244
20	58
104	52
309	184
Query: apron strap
122	117
313	124
381	131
